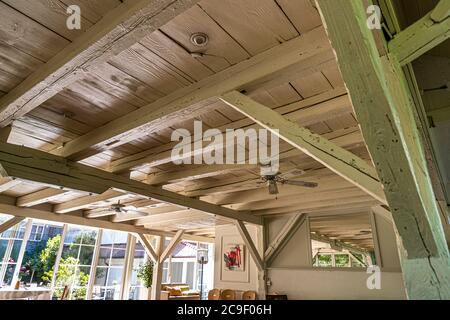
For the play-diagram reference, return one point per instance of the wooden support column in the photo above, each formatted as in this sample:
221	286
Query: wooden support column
283	237
171	246
128	267
157	270
384	109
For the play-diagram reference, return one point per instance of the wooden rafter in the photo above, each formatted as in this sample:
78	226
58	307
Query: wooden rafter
337	159
41	196
283	237
115	32
311	48
171	246
83	202
148	247
423	35
384	109
7	183
328	105
253	250
34	165
10	223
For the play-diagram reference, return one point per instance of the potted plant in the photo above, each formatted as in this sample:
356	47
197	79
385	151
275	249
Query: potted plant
145	276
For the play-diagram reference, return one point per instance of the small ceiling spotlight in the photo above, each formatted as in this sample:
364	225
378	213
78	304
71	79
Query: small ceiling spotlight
199	39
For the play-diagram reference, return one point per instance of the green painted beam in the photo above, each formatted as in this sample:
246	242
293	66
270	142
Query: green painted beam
384	108
422	35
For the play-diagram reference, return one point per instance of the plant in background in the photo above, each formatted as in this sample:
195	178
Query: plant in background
145	274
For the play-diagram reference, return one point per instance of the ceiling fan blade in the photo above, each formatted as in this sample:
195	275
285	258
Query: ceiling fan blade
291	174
301	183
134	213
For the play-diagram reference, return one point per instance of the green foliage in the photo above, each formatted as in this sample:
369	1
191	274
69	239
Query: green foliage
145	274
342	260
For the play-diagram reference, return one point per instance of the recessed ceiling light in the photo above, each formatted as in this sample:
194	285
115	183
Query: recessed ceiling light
199	39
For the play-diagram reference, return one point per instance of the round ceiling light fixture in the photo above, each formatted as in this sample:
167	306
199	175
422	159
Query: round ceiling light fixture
199	39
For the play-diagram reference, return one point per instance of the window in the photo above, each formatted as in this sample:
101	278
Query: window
110	265
37	232
10	244
75	265
136	288
342	241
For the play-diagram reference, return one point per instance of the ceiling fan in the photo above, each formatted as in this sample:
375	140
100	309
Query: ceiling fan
122	211
273	179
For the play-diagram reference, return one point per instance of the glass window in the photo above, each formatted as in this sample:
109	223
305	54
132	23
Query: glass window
342	241
76	259
110	265
137	290
10	244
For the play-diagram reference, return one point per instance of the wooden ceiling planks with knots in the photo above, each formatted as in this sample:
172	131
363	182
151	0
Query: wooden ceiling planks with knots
160	66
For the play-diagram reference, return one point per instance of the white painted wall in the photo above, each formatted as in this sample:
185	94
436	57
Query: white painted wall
237	281
292	273
307	284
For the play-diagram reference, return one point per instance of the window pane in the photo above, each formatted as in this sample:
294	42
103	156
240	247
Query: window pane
70	251
3	245
177	272
86	254
115	276
100	276
15	250
190	274
104	256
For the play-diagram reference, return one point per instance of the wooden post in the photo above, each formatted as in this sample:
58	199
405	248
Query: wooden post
383	106
157	270
128	267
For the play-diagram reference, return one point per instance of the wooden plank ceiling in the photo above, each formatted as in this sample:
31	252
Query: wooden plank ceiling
160	64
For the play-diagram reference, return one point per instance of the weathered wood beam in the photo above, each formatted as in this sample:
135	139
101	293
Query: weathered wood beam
171	246
186	173
311	48
7	206
305	112
337	159
10	223
384	109
245	235
5	132
115	32
34	165
283	237
169	216
422	36
441	11
84	202
148	247
7	183
41	196
157	270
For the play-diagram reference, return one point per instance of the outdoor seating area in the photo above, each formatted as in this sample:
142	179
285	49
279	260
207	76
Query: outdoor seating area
230	150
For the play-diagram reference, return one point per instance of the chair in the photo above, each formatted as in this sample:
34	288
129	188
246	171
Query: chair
228	294
214	294
249	295
65	293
